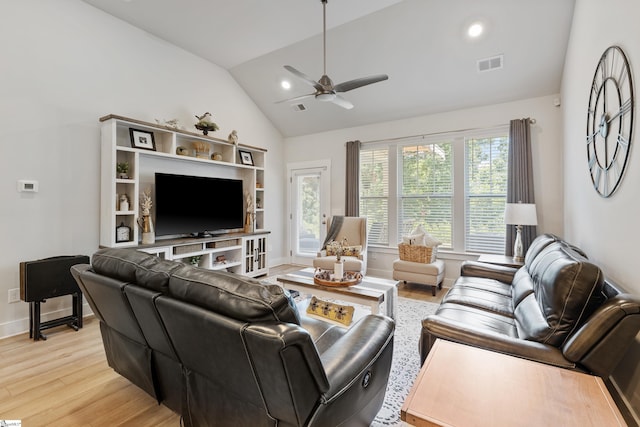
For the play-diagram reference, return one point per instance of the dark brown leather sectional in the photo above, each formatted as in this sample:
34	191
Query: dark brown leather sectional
224	350
556	309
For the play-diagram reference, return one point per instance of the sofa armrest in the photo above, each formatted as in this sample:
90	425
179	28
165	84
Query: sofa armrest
435	326
490	271
603	339
354	352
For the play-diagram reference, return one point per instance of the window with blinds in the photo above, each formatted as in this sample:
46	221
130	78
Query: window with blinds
452	184
374	193
485	193
426	190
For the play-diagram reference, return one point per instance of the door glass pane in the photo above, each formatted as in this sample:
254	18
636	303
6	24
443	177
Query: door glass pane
308	213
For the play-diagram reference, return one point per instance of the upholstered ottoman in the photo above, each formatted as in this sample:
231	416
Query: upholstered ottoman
417	272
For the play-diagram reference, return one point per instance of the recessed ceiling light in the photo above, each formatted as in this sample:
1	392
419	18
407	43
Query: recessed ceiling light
285	84
475	30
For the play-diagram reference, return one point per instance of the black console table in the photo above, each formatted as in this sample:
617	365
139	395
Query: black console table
49	278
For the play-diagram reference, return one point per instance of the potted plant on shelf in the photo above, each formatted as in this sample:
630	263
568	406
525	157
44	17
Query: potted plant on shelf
123	170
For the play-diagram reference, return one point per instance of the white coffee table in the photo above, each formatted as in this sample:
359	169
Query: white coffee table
379	294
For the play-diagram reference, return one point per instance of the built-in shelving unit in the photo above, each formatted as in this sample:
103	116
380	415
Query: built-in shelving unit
241	253
175	152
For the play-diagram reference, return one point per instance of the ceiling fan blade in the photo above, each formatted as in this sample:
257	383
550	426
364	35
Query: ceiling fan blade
303	76
297	98
338	100
356	83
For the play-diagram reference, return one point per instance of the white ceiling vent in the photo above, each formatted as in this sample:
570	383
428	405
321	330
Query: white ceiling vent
490	64
298	107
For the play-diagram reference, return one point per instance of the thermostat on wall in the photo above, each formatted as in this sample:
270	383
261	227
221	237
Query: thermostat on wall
28	186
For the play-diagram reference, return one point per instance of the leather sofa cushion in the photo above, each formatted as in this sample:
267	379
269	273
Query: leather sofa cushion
485	284
538	244
480	298
133	266
232	295
477	319
563	283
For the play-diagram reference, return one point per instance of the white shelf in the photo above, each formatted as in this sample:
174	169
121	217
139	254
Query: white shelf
224	266
116	148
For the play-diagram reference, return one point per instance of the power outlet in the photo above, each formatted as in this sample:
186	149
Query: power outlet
14	295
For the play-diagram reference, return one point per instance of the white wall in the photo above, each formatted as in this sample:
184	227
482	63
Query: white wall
64	64
607	229
546	137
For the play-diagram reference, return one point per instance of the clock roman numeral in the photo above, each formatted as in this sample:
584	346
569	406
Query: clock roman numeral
623	141
623	75
625	107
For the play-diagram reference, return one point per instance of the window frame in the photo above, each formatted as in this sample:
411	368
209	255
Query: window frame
458	140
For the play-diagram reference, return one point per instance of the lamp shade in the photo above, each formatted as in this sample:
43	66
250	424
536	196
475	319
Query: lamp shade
520	214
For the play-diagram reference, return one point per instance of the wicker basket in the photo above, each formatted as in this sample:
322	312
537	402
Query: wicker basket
417	253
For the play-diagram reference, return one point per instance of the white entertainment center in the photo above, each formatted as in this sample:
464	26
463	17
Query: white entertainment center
239	251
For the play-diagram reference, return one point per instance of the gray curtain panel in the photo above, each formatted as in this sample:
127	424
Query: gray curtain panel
352	181
520	179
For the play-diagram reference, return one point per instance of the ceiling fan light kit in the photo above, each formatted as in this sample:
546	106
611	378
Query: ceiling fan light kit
326	91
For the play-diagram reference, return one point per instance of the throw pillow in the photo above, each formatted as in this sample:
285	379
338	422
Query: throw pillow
346	250
420	237
351	250
332	311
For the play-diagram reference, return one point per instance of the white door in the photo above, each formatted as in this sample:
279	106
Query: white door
309	190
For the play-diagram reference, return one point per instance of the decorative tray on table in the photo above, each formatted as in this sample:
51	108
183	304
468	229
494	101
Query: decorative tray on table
325	278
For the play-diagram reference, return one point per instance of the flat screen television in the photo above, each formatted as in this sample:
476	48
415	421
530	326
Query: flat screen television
197	205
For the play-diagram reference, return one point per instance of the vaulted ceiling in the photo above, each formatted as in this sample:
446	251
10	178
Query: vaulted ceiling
422	45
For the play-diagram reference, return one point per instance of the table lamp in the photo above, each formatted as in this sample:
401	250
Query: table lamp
520	214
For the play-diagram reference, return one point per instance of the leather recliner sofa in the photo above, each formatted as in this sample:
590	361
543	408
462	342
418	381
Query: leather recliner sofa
225	350
556	309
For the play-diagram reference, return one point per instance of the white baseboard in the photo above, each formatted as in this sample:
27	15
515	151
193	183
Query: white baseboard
21	326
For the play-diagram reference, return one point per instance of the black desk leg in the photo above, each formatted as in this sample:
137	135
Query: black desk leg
36	322
31	320
77	309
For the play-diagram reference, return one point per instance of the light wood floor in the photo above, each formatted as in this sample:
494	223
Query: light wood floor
65	380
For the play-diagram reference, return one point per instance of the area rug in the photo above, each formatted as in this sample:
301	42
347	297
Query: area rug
406	358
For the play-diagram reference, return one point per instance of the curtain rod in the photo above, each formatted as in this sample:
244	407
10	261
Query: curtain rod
400	138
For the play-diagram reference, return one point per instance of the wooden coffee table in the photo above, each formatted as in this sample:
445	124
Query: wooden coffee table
379	294
460	385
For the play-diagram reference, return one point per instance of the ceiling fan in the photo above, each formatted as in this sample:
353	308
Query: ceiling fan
325	89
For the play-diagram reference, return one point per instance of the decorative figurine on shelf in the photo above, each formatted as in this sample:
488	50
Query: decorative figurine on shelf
124	203
202	149
205	124
173	123
233	137
123	170
248	222
145	223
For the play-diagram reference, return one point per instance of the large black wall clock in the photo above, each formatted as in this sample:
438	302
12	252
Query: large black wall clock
610	121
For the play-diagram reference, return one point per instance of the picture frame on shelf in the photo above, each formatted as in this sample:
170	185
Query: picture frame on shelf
246	158
142	139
